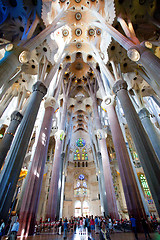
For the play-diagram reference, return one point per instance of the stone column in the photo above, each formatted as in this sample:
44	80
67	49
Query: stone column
55	183
101	185
131	191
7	100
60	182
142	55
150	129
137	53
97	159
13	164
147	156
156	100
108	185
5	144
31	196
8	65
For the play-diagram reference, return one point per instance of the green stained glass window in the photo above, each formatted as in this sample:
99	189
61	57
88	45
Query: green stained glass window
145	187
80	142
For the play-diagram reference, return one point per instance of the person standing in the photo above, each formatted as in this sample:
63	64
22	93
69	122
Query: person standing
14	230
134	228
81	225
2	228
104	232
145	228
65	228
92	224
60	226
96	225
87	223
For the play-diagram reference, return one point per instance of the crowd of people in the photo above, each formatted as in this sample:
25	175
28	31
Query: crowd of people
104	226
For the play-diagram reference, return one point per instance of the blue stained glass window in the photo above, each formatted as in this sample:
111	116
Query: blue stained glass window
81	177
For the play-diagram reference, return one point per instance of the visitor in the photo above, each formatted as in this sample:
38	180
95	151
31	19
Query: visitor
104	232
81	225
2	228
87	223
60	226
110	225
134	227
158	228
92	224
145	228
14	230
65	228
96	225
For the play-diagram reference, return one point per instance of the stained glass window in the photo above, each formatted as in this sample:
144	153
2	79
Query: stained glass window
83	150
80	142
78	184
81	177
85	184
77	155
146	188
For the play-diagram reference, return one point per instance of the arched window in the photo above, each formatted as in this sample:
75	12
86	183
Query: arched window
77	155
81	186
145	188
80	154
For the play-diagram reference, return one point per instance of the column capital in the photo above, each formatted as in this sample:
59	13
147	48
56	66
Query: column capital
143	113
60	134
120	84
40	87
101	133
50	102
135	52
108	101
16	116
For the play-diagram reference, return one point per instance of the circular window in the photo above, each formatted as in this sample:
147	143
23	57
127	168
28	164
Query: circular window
65	32
81	177
78	32
91	32
78	45
78	16
80	142
98	31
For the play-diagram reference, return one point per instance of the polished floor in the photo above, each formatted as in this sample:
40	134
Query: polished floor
114	236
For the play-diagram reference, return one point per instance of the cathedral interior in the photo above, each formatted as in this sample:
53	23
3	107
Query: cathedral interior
79	109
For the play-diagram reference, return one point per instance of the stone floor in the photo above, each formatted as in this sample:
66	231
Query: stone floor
78	236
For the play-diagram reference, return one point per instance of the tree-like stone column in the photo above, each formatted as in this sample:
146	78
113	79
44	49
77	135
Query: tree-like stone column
150	129
55	184
108	182
142	55
13	164
5	144
131	191
31	196
147	156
